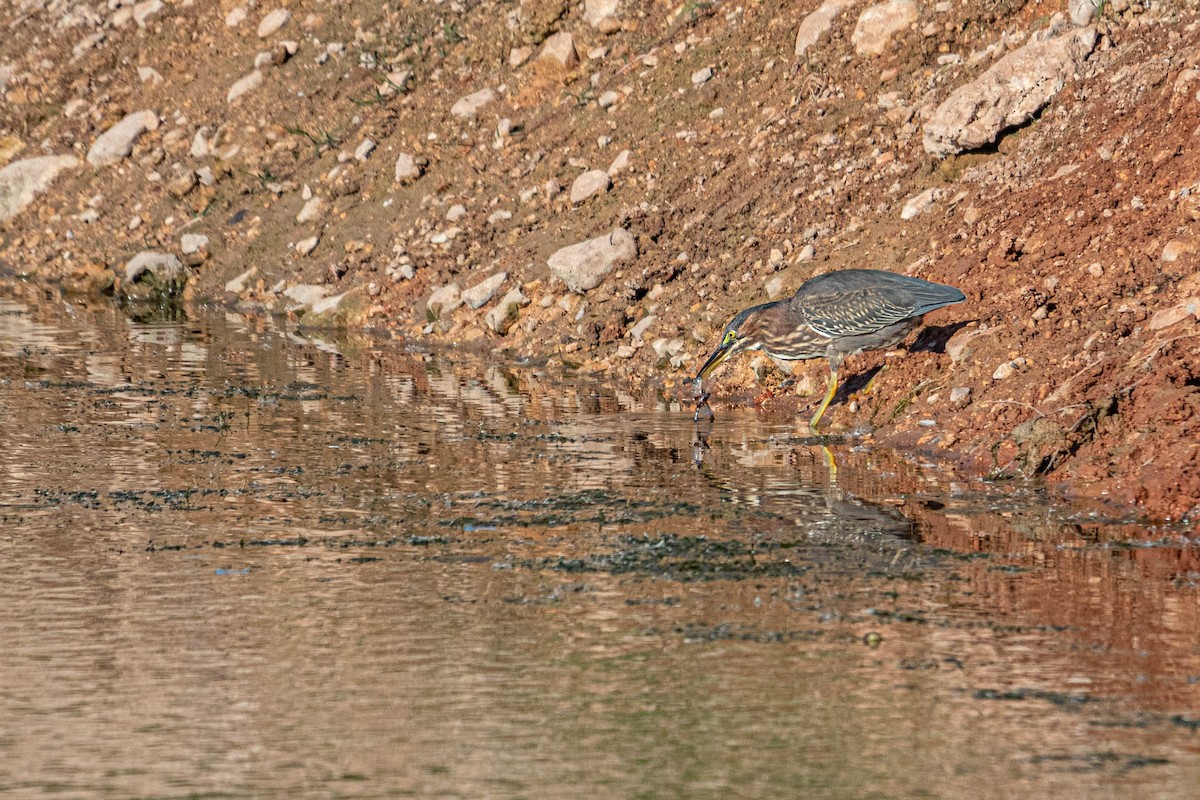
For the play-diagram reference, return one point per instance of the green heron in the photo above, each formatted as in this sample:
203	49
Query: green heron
832	316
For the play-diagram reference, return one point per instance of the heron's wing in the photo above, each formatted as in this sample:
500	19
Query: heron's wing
859	302
853	313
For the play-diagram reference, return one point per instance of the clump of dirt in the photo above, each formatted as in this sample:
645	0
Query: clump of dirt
740	168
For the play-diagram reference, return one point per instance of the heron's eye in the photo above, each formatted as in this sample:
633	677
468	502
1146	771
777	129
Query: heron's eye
730	338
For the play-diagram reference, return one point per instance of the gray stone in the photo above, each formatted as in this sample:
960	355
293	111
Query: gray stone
1008	368
22	181
959	395
467	107
238	285
702	76
117	142
444	300
816	24
519	55
327	304
1084	12
638	331
241	86
596	11
273	22
920	203
313	210
481	293
145	10
583	266
608	99
304	294
560	48
163	267
236	16
594	181
364	150
501	318
1167	317
407	168
191	243
620	163
1009	93
305	246
879	23
149	75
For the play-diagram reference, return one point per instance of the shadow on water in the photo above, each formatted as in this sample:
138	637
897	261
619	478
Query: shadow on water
243	562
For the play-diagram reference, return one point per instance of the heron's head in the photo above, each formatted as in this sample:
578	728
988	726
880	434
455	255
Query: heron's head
742	333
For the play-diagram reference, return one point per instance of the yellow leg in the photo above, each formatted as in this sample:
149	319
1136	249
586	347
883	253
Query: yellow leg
833	384
871	383
831	463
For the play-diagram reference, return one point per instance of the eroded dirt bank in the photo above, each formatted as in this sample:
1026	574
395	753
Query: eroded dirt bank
365	164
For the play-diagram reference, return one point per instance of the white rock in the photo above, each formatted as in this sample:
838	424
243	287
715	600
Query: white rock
273	22
816	24
583	266
496	217
1008	368
560	48
1177	313
407	168
1014	89
638	331
444	300
117	142
456	212
702	76
879	23
238	284
364	150
313	210
589	183
191	243
304	294
1084	12
200	144
519	55
467	107
501	317
619	164
243	85
608	99
328	303
625	351
774	287
306	246
149	75
144	10
959	395
481	293
920	203
596	11
22	181
235	17
163	266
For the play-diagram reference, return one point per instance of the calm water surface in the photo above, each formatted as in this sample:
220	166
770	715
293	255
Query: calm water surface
242	563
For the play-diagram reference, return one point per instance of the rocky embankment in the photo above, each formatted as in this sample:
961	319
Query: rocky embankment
603	184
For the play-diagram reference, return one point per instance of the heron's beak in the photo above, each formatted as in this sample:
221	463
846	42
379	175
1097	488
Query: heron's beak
715	360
